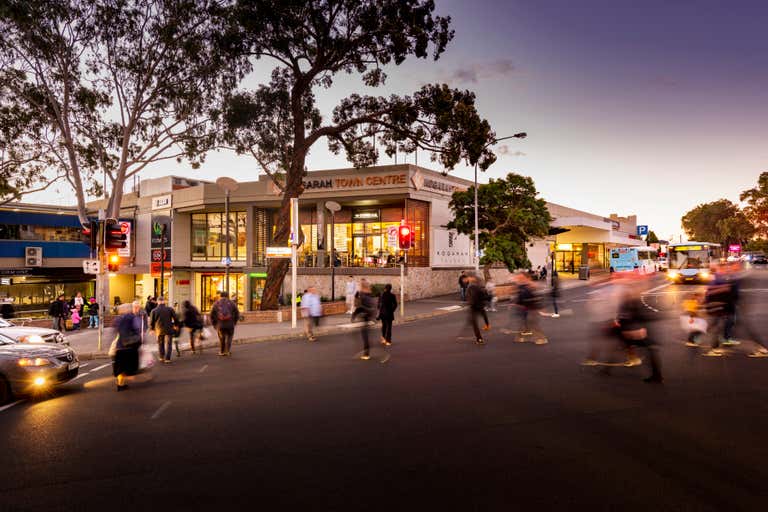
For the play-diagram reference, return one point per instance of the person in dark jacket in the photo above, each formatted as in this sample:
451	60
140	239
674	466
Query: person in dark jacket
633	324
367	310
387	307
163	321
6	310
194	322
463	284
528	303
126	358
554	292
477	297
59	311
224	317
150	305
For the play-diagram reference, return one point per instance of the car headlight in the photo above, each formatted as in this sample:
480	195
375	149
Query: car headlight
33	361
32	338
673	274
704	274
59	338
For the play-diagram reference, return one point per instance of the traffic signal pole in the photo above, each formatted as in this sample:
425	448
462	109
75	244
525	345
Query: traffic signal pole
102	238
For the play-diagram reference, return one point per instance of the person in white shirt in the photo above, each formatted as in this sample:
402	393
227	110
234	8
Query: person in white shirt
350	291
311	310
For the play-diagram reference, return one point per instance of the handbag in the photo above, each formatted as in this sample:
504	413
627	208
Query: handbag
113	348
145	359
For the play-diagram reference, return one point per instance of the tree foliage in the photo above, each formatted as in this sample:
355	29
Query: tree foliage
757	205
720	222
509	215
106	87
652	238
311	43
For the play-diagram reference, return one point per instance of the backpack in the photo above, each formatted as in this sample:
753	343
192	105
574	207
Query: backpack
225	311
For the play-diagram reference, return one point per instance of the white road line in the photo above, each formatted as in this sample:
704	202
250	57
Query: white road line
160	410
593	292
451	308
100	367
11	405
662	286
201	370
80	375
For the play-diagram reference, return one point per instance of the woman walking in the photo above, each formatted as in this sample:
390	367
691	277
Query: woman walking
126	357
387	307
193	321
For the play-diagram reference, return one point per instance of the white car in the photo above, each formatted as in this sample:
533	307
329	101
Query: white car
23	334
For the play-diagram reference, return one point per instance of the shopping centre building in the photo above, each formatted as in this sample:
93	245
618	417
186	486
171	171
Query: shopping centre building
373	203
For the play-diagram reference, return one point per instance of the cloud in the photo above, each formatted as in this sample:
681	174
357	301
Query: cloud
504	150
475	72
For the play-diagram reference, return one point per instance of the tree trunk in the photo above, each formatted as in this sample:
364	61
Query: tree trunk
278	268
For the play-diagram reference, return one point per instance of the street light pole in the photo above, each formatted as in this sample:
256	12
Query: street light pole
520	135
228	185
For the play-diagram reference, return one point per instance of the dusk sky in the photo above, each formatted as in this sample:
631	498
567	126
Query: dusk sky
631	107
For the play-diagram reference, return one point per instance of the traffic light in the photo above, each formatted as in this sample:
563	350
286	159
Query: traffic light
113	264
115	237
91	230
405	237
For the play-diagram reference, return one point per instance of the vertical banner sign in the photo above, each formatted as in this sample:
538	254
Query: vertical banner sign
157	242
293	239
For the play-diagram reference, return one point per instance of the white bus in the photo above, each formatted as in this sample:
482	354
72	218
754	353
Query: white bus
690	261
634	259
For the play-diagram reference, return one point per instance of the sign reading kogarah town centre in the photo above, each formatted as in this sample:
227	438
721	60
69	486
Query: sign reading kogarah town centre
351	182
451	249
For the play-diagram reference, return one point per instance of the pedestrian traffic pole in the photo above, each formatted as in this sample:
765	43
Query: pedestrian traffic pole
293	240
100	278
402	283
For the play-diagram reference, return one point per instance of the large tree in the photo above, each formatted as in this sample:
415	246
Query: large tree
509	215
720	222
757	205
311	43
102	88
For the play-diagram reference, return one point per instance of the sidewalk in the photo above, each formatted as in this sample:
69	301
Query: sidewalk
85	343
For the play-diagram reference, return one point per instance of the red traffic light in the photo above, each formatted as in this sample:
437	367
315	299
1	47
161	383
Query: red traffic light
405	237
115	237
113	264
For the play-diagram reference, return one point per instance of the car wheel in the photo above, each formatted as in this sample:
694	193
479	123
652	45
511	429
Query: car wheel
5	391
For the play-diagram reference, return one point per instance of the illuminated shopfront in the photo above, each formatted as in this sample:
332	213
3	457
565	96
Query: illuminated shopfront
212	284
209	236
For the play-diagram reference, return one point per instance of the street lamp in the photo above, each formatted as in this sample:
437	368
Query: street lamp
520	135
227	185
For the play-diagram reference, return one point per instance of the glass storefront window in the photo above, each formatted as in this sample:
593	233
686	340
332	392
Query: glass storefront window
213	284
209	236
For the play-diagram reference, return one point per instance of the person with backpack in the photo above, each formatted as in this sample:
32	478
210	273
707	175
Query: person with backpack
224	317
193	321
387	307
163	321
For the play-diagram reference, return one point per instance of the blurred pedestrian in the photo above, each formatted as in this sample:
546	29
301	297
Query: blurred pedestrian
150	304
224	317
367	310
193	320
126	353
311	311
387	307
528	304
163	321
692	319
463	285
177	328
720	301
93	313
6	310
490	289
634	325
59	312
554	291
477	298
543	273
350	290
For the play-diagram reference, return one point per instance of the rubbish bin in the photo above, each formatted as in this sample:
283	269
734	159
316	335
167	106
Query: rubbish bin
584	272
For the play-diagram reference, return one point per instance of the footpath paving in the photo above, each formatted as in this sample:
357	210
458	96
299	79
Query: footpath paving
85	343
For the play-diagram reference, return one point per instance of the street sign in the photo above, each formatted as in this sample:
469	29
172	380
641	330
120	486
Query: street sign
392	236
91	266
278	252
154	268
293	237
642	230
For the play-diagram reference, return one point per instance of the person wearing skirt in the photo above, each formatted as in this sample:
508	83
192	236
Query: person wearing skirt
126	356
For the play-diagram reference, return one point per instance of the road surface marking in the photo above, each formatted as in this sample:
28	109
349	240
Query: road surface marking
657	288
594	292
160	410
80	375
451	308
100	367
10	405
201	370
83	365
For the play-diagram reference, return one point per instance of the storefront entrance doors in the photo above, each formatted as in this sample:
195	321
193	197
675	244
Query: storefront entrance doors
211	285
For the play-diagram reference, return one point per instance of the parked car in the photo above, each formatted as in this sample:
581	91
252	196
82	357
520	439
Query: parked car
760	261
24	334
28	368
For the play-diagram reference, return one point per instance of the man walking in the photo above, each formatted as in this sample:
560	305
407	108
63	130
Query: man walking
163	321
463	284
366	309
477	298
224	317
350	289
387	307
311	310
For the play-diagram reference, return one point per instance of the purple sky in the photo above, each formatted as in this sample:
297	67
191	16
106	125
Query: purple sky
631	107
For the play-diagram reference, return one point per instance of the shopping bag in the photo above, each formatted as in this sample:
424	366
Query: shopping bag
145	359
693	324
206	333
113	349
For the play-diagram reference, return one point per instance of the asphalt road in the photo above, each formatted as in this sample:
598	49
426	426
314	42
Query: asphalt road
431	422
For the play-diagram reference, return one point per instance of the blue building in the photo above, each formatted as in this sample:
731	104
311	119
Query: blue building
42	248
